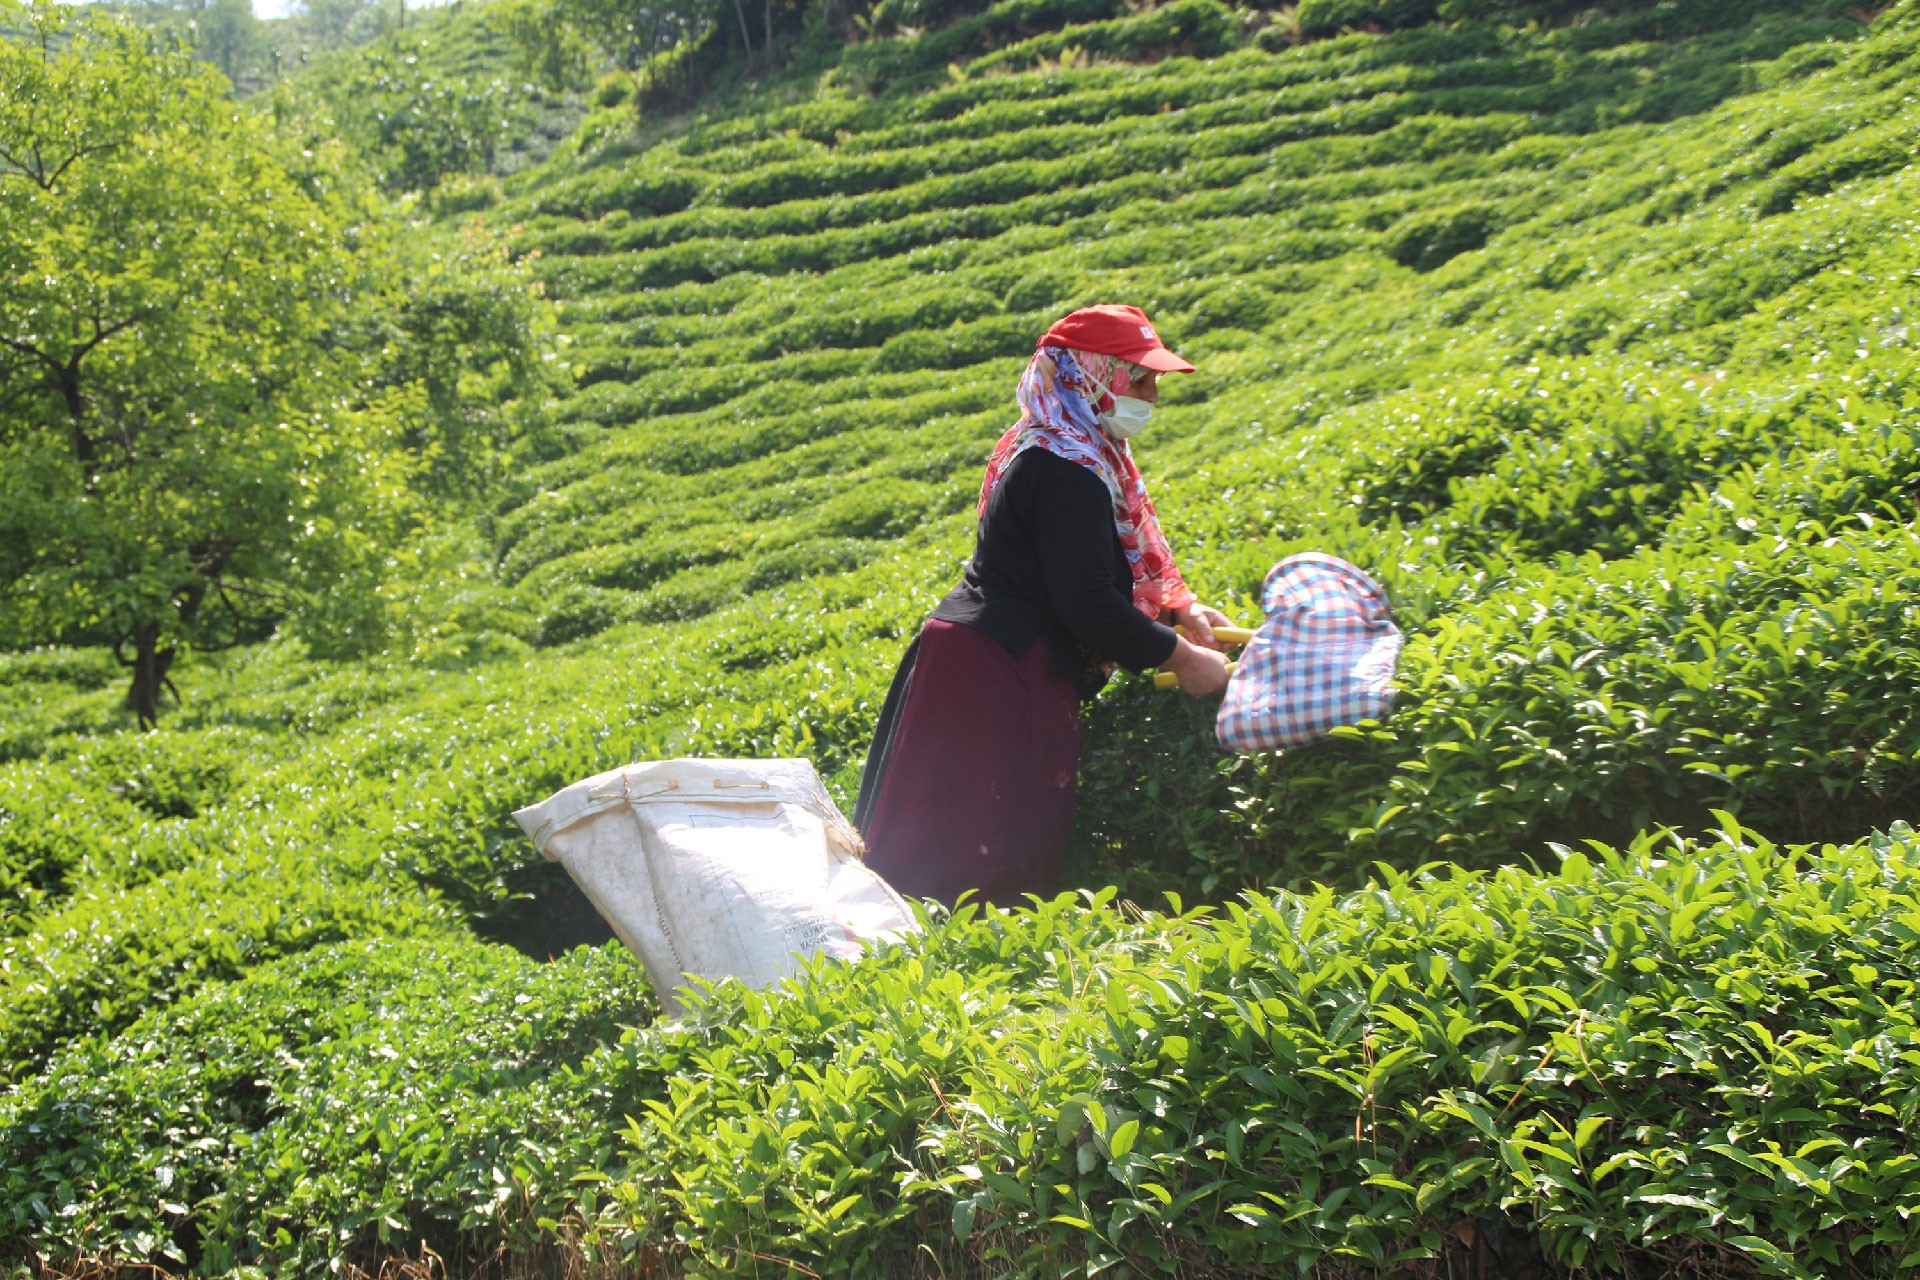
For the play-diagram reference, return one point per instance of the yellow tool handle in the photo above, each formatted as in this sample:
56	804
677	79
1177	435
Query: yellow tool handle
1168	680
1227	635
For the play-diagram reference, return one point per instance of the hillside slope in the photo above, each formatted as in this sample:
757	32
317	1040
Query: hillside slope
1463	304
1592	342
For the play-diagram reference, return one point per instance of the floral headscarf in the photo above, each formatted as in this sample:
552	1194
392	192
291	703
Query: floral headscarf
1059	397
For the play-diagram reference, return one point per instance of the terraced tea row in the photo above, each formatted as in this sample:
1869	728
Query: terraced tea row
1624	419
780	331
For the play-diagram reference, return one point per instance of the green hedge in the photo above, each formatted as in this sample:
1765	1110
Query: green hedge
1639	472
96	963
1679	1054
307	1114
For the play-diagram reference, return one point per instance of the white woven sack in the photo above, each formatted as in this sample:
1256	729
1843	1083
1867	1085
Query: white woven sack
718	868
1324	657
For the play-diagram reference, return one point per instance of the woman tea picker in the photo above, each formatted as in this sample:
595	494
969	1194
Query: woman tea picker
970	780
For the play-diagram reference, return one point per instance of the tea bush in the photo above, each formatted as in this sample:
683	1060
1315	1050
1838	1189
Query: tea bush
47	832
99	961
1201	28
1671	1054
1375	1077
1433	238
81	668
195	1138
1591	340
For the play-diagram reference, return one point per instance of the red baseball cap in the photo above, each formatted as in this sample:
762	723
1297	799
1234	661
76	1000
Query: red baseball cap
1114	330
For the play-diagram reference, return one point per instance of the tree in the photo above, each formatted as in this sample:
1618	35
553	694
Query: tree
223	32
228	35
183	449
411	124
553	50
556	39
329	23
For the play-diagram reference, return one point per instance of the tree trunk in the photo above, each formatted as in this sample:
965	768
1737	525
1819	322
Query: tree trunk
746	37
150	664
83	447
766	43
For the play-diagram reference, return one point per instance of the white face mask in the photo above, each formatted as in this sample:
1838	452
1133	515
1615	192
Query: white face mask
1126	419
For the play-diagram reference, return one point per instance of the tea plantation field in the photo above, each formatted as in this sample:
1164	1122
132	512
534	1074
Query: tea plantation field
1592	338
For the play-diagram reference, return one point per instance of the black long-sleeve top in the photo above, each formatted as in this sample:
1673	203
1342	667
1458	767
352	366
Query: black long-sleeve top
1049	563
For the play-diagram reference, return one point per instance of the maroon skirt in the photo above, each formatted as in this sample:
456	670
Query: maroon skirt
970	781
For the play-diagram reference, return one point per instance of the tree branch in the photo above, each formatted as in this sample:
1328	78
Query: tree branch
33	352
233	612
264	593
102	333
221	587
36	172
19	389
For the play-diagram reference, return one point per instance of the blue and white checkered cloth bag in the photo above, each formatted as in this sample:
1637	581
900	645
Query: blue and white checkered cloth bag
1324	657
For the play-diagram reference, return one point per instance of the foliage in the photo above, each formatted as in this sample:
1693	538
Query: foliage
413	126
1668	1056
1592	340
561	41
235	1073
206	442
1371	1079
446	96
172	429
227	35
553	52
470	333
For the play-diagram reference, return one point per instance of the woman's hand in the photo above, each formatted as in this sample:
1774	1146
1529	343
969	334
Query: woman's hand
1200	620
1200	671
